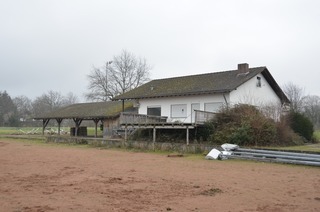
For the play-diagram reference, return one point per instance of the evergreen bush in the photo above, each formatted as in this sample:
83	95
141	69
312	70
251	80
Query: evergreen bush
301	125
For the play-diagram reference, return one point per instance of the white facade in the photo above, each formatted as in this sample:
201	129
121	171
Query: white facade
182	108
255	91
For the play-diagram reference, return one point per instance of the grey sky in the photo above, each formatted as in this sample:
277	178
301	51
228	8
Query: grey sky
53	44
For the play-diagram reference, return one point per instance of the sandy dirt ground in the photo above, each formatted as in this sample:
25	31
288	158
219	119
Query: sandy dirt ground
46	177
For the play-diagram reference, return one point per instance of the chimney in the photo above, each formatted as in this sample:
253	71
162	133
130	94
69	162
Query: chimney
243	67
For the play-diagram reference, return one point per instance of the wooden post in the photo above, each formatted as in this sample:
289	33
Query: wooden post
96	121
154	138
44	124
77	122
187	135
59	125
126	133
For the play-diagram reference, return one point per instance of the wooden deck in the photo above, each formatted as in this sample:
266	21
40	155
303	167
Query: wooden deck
133	120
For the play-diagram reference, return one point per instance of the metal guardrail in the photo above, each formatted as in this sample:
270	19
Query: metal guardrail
276	156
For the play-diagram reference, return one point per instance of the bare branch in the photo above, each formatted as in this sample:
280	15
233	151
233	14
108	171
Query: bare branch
126	72
295	94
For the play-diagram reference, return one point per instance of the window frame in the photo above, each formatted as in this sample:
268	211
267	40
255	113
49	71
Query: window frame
213	103
183	107
153	107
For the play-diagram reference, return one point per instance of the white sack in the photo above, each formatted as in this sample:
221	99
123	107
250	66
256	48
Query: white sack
213	154
229	147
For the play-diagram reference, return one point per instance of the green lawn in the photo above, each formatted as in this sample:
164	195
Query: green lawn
317	135
302	148
38	130
14	130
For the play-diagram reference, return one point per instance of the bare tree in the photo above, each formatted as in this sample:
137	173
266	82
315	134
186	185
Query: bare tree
24	107
99	90
124	73
128	72
70	99
312	109
295	94
51	101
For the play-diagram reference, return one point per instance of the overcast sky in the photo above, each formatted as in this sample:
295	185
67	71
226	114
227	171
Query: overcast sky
53	44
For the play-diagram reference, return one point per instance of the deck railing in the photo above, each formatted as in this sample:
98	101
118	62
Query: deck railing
140	119
203	116
134	118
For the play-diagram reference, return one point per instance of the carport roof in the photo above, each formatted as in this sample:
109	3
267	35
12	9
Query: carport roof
89	111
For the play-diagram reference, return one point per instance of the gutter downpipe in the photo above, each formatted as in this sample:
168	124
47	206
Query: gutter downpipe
225	99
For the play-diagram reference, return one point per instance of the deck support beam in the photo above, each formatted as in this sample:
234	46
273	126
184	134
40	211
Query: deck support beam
187	135
154	138
126	133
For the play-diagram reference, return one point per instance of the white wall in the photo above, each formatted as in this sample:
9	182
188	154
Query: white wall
249	93
165	104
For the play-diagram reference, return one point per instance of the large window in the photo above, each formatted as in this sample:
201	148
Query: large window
179	111
213	107
154	111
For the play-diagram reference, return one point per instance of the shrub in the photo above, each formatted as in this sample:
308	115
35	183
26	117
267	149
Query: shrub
244	125
204	132
286	136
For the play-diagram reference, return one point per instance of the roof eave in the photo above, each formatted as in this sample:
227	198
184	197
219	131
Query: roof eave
284	99
174	95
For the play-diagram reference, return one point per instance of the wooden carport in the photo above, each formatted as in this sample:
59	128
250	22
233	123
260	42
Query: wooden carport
95	111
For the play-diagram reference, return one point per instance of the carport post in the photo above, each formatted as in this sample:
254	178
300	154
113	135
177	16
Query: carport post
44	124
77	122
59	124
96	121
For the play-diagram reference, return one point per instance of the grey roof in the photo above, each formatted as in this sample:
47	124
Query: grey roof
92	110
217	82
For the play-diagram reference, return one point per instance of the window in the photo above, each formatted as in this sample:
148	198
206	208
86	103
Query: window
179	111
154	111
212	107
259	82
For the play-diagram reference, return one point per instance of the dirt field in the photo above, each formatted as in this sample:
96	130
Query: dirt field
36	177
